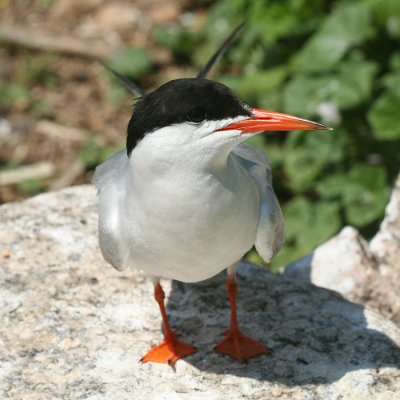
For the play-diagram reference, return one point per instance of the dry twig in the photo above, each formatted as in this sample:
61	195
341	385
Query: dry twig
40	170
48	42
60	132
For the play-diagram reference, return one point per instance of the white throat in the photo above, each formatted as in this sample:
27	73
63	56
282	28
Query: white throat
186	147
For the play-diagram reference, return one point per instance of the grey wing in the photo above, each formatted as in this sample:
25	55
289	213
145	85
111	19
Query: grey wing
270	234
111	179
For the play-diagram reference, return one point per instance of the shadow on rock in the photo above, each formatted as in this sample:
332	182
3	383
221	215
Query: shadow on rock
314	334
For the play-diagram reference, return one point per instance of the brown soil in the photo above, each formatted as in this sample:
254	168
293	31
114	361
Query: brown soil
75	91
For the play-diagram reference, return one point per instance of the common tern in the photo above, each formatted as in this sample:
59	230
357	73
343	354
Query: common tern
187	198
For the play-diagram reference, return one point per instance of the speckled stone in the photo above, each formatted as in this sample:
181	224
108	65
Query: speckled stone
362	272
386	244
343	263
74	328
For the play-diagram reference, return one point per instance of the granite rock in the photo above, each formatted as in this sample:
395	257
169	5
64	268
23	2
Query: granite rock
362	272
74	328
343	263
385	246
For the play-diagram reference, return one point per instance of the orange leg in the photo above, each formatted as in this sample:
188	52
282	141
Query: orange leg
171	348
235	344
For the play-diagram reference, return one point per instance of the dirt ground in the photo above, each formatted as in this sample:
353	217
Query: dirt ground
73	90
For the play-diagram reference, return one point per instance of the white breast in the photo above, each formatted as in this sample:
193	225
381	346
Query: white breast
186	227
190	227
167	212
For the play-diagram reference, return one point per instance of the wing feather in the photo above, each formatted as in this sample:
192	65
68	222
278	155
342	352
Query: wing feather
270	231
111	179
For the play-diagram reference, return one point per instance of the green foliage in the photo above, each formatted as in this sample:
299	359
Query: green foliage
132	62
93	151
346	27
11	93
31	186
176	38
308	224
384	116
337	62
9	165
33	70
364	194
117	94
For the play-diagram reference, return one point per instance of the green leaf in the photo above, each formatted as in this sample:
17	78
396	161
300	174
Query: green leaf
348	26
324	223
288	254
302	169
308	154
332	185
391	82
308	225
363	207
297	214
311	223
275	155
117	94
365	194
31	186
387	14
303	94
264	13
14	92
348	88
253	257
395	60
354	82
176	37
132	62
384	116
372	177
249	87
257	141
37	69
93	152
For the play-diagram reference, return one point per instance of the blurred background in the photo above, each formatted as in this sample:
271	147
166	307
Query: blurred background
337	62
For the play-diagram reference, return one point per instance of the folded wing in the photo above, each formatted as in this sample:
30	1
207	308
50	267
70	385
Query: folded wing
111	180
270	231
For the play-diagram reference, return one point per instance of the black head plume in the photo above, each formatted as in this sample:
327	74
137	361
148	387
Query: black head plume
138	92
130	85
220	51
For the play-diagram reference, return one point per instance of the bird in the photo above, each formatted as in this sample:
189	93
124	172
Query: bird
187	198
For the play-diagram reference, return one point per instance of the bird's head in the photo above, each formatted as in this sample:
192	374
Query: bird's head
203	114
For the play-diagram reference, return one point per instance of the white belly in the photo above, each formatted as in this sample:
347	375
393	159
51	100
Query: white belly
192	230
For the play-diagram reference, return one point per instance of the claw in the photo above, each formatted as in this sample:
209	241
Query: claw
240	347
169	352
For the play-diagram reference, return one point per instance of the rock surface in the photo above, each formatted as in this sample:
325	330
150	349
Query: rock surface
362	272
341	264
386	244
74	328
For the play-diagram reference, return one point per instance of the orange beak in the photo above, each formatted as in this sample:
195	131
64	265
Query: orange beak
263	120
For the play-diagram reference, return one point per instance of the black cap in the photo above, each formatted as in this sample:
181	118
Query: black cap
180	100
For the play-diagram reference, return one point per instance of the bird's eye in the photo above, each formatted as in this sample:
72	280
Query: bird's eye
197	115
